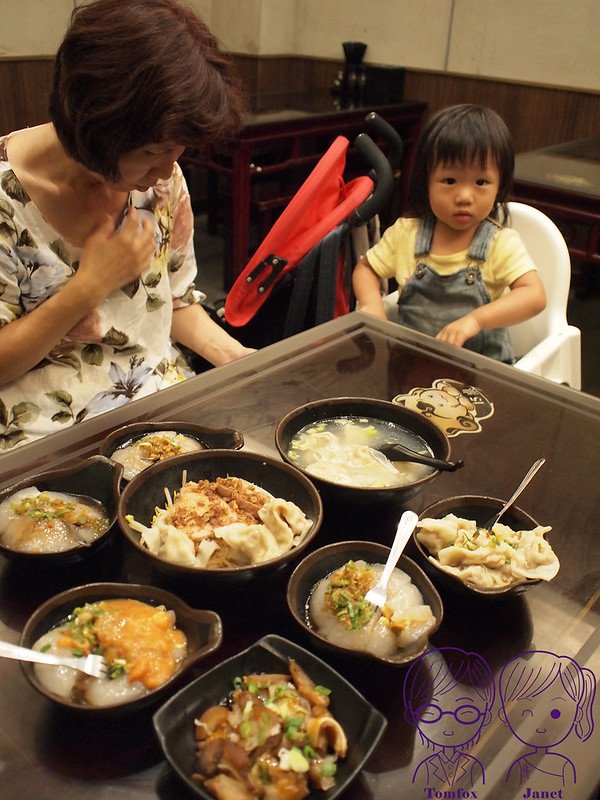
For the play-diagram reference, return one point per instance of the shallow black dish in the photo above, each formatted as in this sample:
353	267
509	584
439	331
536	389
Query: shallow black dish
209	438
174	721
203	630
479	508
321	562
97	478
419	426
146	491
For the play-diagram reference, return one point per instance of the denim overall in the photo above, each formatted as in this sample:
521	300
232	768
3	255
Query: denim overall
429	301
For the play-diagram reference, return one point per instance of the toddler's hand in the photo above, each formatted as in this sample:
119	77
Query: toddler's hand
459	331
375	309
113	258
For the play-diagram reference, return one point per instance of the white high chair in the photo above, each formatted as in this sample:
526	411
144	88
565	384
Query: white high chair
545	345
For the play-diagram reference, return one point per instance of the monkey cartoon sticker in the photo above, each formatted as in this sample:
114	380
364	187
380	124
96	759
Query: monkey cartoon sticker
453	406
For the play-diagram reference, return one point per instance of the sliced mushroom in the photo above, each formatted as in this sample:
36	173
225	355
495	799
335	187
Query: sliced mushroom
266	679
234	761
224	787
208	757
306	686
213	719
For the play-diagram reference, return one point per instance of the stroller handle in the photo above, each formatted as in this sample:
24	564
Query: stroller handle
381	174
378	126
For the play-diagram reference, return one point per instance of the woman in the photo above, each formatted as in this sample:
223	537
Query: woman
96	227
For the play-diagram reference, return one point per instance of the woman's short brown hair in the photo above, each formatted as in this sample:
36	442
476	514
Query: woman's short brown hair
134	72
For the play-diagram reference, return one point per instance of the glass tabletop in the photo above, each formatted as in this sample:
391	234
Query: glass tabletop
518	418
571	166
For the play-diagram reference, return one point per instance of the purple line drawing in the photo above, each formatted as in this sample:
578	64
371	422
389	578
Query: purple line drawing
544	697
448	697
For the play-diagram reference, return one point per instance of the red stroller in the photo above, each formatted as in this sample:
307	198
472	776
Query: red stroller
300	276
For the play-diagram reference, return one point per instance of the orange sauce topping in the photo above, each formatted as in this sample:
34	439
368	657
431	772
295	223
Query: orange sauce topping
142	635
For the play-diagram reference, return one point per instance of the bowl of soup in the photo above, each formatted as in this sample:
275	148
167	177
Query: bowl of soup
60	516
326	598
148	636
220	515
335	443
140	445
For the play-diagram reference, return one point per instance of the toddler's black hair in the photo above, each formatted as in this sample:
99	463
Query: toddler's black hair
463	134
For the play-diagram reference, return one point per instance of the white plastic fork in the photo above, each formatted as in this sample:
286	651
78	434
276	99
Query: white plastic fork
377	594
92	665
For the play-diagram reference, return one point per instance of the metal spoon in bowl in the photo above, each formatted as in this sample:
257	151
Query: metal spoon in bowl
530	473
377	594
398	452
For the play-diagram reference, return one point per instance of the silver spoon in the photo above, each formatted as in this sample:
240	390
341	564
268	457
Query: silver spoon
530	473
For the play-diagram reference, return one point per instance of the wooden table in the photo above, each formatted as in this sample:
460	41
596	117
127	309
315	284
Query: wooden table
283	137
563	181
46	754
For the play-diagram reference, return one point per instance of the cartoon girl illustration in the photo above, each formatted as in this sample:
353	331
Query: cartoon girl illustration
543	698
448	696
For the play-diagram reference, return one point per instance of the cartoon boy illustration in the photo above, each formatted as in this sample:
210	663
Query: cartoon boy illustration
448	696
544	697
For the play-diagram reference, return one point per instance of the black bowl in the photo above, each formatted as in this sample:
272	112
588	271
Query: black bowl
318	564
203	630
209	438
97	478
146	491
174	721
419	426
480	509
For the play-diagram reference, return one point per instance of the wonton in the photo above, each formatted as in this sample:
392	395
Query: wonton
500	558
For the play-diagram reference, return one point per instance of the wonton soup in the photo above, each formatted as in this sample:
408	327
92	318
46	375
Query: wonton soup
343	450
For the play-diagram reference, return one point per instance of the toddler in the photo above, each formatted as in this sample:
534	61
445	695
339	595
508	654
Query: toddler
453	259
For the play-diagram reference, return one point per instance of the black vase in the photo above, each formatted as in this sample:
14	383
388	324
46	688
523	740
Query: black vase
350	81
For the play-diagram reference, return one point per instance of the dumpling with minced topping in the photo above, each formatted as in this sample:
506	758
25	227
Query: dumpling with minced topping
148	450
223	523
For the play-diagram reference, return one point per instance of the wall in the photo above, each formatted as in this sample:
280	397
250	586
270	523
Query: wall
32	27
453	50
536	41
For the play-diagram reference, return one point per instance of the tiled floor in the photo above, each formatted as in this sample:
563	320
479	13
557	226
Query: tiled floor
584	313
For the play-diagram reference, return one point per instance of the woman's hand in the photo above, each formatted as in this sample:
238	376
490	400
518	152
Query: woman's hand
109	260
193	328
113	258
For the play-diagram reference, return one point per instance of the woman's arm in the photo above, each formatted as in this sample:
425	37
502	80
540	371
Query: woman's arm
109	260
525	299
193	328
367	288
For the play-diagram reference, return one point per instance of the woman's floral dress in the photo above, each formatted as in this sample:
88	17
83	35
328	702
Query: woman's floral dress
119	352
